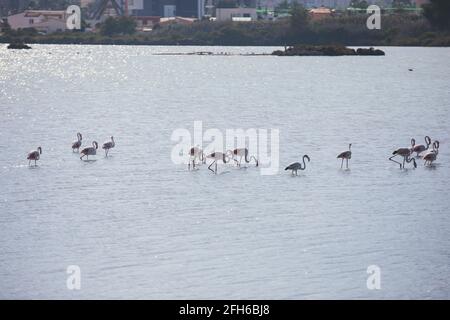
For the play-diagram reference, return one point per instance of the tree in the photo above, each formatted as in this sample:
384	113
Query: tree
5	27
437	13
285	5
401	3
115	26
358	4
299	17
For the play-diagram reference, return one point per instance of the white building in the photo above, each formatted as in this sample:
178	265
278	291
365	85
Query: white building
41	20
236	14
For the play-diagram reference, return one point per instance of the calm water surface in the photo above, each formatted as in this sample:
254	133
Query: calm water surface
140	226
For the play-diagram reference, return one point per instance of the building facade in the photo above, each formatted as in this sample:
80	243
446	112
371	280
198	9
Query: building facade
169	8
41	20
236	14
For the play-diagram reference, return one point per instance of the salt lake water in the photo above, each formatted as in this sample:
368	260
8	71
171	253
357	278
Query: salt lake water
140	226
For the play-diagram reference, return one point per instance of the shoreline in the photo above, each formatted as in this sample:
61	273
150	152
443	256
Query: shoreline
6	43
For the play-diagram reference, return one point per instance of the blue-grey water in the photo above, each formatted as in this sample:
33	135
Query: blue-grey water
140	226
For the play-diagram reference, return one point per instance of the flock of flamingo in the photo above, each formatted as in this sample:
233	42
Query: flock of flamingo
35	155
197	156
422	151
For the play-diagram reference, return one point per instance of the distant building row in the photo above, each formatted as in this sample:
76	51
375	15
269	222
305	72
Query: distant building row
150	12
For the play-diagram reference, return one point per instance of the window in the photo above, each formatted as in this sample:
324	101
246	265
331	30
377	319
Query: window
31	21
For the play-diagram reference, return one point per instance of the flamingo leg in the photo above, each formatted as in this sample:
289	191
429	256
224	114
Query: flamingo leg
216	168
209	167
346	162
342	163
391	159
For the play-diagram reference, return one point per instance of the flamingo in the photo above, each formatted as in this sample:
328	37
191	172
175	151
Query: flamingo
89	151
194	153
217	156
77	143
297	165
431	156
242	153
406	154
434	149
419	148
108	145
34	155
347	155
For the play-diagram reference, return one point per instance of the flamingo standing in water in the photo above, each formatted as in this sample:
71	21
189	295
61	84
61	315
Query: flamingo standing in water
242	153
89	151
217	156
109	145
347	155
77	143
431	156
298	166
194	154
34	155
406	154
419	148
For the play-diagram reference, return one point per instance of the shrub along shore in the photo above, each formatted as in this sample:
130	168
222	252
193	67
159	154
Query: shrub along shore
350	30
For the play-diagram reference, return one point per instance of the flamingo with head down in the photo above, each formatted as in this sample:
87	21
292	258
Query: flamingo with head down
406	154
242	153
194	154
217	156
89	151
34	155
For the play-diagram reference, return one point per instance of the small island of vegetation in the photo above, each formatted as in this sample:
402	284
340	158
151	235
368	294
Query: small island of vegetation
18	45
303	50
